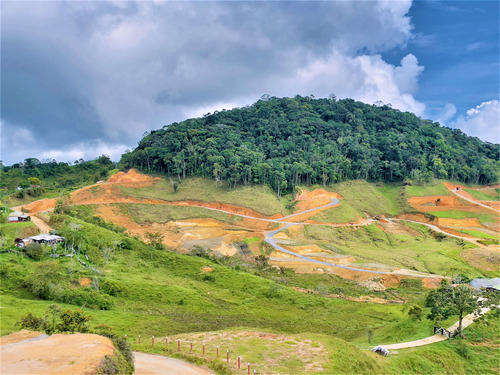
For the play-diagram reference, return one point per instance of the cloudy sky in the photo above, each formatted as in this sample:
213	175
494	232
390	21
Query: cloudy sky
81	79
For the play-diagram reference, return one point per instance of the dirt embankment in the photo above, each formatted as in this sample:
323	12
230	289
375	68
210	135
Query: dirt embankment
132	177
28	352
315	198
40	206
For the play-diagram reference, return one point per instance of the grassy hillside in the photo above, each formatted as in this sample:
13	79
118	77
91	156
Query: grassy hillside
257	197
139	290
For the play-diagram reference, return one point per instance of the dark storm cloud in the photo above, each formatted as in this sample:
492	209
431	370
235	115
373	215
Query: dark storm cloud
96	75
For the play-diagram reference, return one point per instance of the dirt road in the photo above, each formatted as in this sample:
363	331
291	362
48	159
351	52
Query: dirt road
150	364
42	225
457	193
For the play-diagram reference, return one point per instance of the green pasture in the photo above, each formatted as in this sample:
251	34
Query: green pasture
260	198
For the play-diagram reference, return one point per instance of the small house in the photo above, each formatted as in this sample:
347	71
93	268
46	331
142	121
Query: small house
17	216
47	239
44	239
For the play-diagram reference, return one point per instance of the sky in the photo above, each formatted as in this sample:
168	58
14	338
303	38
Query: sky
82	79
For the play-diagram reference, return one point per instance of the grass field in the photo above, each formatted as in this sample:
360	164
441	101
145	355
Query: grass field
366	197
162	293
478	234
420	253
11	231
456	214
257	197
485	195
435	187
343	214
148	213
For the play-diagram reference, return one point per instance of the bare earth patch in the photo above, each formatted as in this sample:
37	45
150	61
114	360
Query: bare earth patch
35	353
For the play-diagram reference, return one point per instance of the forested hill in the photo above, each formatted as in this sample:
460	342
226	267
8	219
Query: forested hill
301	140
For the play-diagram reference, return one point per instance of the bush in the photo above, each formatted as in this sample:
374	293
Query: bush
35	251
111	287
462	349
32	322
87	297
411	283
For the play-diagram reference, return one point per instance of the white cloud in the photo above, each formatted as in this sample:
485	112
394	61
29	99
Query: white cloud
365	78
102	73
482	121
446	114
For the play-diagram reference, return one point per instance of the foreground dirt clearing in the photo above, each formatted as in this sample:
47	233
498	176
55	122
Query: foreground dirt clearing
35	353
150	364
278	353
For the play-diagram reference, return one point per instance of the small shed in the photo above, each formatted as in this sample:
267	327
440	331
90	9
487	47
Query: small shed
17	216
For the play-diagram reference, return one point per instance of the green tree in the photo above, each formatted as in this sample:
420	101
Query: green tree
155	240
448	300
34	181
416	313
35	251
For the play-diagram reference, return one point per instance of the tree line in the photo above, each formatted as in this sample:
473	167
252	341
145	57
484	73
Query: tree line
285	142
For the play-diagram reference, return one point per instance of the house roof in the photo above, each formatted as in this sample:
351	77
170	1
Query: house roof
486	283
16	213
45	237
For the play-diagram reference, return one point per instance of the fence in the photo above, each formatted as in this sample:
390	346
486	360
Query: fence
235	362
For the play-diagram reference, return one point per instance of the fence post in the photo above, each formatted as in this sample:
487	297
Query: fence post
125	337
178	345
191	347
248	368
203	348
227	357
217	351
239	362
139	339
166	342
153	341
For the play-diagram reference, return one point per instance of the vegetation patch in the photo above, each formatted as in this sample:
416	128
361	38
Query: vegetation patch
147	213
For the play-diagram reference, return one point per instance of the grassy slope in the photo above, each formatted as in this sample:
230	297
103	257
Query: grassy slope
11	231
259	198
371	245
142	213
456	214
485	195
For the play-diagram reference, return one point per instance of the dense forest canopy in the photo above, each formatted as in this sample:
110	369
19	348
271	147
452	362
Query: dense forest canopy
291	141
51	174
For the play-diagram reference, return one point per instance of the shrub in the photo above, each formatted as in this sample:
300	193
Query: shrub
35	251
111	287
87	297
30	321
462	349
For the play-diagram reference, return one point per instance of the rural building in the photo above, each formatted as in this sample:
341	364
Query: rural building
17	216
44	239
491	285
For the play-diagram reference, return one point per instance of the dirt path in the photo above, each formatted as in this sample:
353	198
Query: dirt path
473	201
435	228
150	364
42	225
467	321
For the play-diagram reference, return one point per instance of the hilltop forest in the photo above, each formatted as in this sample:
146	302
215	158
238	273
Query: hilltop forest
292	141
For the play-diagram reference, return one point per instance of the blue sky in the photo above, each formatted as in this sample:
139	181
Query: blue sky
81	79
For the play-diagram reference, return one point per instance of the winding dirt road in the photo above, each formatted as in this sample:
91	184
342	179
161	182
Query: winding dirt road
473	201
